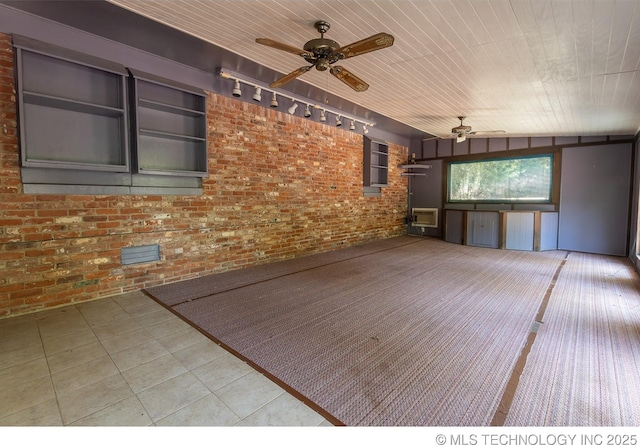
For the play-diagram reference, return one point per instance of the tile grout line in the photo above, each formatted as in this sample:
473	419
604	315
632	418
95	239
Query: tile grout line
500	416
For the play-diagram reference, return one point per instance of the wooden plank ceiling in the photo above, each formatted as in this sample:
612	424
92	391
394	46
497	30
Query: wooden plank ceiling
529	67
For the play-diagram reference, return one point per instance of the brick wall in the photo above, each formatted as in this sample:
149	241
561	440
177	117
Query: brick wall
279	186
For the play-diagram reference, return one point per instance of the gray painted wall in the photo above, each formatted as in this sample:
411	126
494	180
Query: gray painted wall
594	199
426	191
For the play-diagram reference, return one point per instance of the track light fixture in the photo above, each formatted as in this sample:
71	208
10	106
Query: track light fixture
257	96
263	87
365	130
236	89
352	126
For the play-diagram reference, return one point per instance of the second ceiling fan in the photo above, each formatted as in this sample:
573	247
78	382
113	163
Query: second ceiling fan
324	53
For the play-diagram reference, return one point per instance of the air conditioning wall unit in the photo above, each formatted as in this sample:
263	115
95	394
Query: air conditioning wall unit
424	217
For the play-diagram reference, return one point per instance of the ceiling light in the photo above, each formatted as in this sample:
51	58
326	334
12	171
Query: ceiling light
352	126
461	137
274	101
323	117
257	96
292	109
338	121
307	111
236	89
365	130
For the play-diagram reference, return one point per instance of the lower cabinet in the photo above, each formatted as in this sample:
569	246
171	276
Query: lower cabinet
519	230
533	230
483	229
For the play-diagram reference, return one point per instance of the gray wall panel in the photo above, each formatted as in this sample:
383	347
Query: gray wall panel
594	199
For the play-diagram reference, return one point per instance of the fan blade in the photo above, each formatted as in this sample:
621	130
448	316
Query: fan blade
349	78
488	132
284	47
289	77
373	43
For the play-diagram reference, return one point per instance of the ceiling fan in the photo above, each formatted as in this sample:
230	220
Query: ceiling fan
323	53
462	131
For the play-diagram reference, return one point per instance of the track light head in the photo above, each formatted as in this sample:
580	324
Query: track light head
338	121
323	116
274	101
237	92
352	126
307	111
292	109
365	130
257	96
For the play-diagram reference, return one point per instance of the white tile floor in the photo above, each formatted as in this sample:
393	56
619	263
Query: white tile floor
126	360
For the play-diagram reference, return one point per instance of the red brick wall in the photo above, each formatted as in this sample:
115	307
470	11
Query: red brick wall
279	186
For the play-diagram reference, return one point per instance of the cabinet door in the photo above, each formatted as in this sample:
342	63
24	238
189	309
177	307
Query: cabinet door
454	225
483	229
519	231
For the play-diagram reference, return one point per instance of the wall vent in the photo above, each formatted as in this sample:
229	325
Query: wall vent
140	254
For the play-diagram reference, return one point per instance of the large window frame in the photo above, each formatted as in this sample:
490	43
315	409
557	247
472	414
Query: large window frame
545	198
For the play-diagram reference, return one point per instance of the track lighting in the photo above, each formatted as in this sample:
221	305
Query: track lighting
236	89
365	130
257	96
260	87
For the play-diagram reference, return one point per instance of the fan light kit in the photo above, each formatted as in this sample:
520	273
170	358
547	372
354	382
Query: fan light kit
259	87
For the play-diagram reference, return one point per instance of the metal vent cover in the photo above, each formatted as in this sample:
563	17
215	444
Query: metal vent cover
140	254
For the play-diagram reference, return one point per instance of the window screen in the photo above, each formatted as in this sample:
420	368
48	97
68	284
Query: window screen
523	179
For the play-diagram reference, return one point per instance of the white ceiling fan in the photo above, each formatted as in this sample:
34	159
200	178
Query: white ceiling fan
462	131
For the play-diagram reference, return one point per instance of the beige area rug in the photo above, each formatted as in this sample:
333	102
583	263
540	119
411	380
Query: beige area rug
584	366
409	331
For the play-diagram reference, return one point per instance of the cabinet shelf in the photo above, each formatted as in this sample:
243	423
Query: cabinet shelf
176	136
376	163
48	101
159	106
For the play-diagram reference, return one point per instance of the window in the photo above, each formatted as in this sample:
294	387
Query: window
522	179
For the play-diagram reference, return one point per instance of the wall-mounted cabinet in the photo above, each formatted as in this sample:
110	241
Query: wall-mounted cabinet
73	110
376	163
170	128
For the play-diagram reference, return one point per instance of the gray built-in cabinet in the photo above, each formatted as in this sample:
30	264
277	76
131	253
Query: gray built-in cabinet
72	115
170	128
92	126
503	229
376	163
483	229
